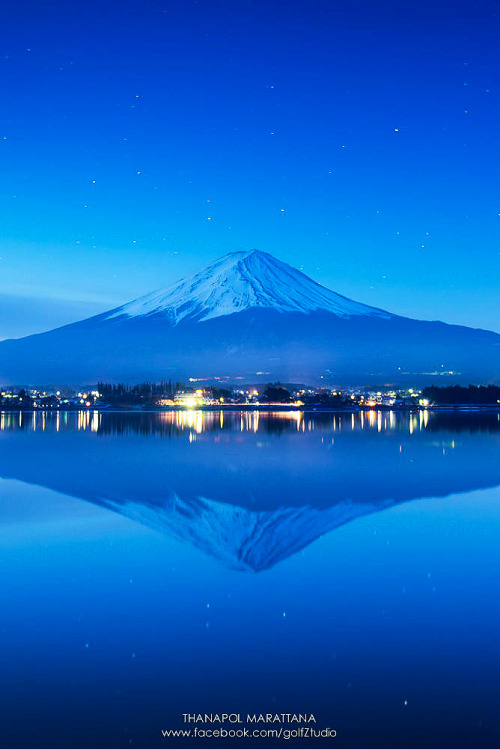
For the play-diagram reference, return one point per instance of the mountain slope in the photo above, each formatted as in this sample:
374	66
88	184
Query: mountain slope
251	317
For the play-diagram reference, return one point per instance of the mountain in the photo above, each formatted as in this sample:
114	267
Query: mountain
252	317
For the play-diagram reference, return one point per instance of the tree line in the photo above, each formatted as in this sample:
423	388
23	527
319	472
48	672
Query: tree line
113	391
457	394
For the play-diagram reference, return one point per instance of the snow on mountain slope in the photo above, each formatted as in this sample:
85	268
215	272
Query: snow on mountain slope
239	281
240	538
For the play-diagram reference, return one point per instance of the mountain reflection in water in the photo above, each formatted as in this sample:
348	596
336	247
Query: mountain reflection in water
250	488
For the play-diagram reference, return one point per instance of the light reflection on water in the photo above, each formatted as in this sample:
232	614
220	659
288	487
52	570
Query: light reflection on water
199	421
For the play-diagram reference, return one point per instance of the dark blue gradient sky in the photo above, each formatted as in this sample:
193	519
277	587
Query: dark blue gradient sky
140	140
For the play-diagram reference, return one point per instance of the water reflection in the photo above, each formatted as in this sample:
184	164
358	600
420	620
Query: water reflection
250	488
168	423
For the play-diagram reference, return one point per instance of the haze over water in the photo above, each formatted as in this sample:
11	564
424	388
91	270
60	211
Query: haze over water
160	563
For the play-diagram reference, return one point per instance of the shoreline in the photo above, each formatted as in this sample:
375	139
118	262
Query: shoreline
236	408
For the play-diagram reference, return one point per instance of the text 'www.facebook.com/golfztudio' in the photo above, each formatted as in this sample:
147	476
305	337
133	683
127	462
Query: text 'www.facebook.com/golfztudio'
286	726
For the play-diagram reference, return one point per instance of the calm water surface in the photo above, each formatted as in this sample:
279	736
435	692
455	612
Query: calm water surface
155	564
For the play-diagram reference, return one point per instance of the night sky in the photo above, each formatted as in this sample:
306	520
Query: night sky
358	141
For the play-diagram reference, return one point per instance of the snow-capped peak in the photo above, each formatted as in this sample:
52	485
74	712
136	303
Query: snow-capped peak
239	281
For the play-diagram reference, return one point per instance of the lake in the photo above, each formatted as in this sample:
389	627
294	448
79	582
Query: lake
161	564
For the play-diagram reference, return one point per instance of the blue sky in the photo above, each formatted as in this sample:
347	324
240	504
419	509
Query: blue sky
357	141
